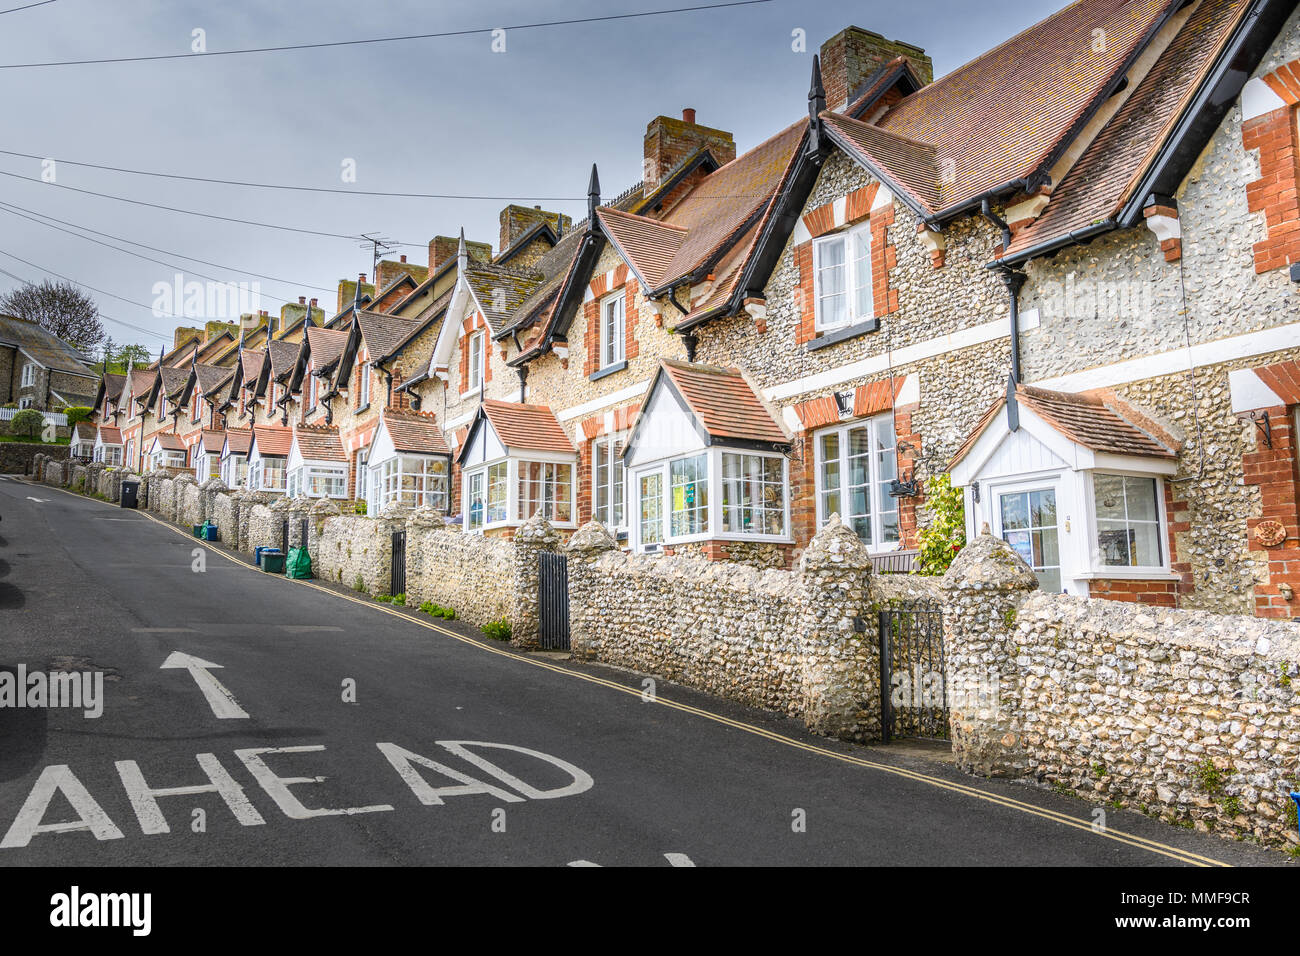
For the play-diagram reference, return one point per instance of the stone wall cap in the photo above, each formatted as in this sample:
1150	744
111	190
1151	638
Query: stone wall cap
989	563
835	546
592	537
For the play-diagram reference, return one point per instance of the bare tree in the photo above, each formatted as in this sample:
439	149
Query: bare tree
61	308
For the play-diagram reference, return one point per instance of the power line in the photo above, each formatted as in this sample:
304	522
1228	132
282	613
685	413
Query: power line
187	212
290	186
107	318
111	295
37	217
373	40
27	7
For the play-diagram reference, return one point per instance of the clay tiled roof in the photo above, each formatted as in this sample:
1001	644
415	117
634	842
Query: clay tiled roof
383	333
500	291
912	165
210	377
113	386
168	440
238	440
173	379
141	382
84	430
283	356
272	440
717	209
723	402
1004	114
1096	420
317	444
252	360
326	345
526	427
647	244
1103	178
415	433
110	435
213	440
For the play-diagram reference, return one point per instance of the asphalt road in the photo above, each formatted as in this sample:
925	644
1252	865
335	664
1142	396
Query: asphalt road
684	779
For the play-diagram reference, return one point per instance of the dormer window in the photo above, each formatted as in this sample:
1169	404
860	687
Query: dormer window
842	277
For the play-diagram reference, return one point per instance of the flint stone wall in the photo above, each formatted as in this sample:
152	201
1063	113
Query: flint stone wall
471	573
350	546
1187	715
793	642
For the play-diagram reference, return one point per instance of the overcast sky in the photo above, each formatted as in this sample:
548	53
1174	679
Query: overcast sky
444	115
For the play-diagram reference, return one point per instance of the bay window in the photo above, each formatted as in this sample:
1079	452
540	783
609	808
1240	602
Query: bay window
855	465
753	494
1128	521
720	492
268	474
235	470
607	478
414	480
842	278
545	487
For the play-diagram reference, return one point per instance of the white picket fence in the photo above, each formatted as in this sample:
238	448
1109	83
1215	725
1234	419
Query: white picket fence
58	418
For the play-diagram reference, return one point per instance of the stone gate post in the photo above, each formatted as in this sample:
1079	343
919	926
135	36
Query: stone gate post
984	589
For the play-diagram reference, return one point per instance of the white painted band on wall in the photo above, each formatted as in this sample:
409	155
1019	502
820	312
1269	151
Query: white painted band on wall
1178	360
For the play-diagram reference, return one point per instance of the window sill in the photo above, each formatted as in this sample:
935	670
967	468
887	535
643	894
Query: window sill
1129	574
837	336
361	408
607	370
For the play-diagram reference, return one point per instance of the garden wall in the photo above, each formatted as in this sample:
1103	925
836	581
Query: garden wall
1188	715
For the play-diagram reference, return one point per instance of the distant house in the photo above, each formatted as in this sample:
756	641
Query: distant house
39	370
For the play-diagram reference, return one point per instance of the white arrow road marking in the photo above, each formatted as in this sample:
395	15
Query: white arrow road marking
221	701
674	859
39	501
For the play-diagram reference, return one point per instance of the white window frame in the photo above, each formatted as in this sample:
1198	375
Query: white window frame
259	471
209	463
363	390
549	500
477	366
712	530
614	483
613	341
853	286
426	487
491	472
877	544
29	375
111	455
1116	572
24	403
1054	481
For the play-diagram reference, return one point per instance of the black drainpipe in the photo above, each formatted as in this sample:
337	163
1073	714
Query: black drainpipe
523	383
1014	281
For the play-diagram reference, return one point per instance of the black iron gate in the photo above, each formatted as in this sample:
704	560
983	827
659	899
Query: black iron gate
284	536
553	601
913	684
397	576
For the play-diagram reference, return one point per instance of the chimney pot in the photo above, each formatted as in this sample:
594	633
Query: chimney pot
361	278
313	303
302	300
688	115
403	258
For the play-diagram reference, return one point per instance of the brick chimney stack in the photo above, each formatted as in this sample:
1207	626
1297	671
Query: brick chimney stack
670	142
516	220
851	56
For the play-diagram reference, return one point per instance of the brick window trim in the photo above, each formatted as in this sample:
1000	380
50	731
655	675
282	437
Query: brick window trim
1276	194
821	222
1276	473
599	287
468	327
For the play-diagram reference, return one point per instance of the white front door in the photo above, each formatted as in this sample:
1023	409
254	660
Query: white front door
1027	521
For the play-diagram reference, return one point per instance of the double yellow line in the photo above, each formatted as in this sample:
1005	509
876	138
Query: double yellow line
1119	836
